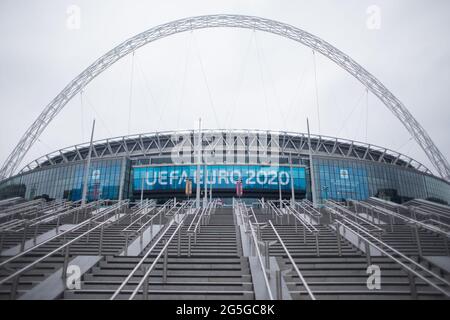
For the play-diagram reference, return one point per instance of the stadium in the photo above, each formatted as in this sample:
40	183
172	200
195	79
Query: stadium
157	165
225	214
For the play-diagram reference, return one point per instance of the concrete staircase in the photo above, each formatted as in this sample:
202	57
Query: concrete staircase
31	278
214	270
345	277
333	276
215	266
403	239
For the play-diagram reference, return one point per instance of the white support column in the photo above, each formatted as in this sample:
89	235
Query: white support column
122	178
279	189
205	178
311	168
292	180
210	186
199	160
142	189
87	167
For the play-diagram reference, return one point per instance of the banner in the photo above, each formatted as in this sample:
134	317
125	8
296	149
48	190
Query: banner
220	177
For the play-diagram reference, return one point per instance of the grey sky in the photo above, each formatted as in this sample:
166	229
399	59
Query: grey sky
255	80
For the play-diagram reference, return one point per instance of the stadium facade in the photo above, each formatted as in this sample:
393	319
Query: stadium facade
269	164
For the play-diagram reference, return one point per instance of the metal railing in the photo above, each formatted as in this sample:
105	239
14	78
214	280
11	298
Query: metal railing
22	207
144	281
294	265
407	220
414	224
71	209
15	276
199	220
164	250
63	234
362	222
307	226
160	214
382	247
67	210
346	219
308	207
142	213
24	210
276	212
241	210
16	226
441	225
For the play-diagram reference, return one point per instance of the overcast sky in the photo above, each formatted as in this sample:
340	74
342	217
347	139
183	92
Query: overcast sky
232	78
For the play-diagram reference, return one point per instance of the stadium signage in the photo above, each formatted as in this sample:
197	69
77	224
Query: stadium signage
222	176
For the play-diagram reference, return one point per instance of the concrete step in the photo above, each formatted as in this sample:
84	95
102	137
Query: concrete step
163	295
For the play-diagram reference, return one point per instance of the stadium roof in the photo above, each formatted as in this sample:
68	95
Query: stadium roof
289	143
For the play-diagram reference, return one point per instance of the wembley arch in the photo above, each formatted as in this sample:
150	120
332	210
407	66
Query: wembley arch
437	159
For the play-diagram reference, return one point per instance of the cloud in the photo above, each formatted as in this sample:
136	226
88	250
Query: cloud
231	78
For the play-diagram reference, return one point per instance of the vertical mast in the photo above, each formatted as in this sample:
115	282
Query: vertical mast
87	167
311	168
199	160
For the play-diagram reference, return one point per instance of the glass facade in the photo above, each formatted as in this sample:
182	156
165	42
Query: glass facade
220	177
66	181
342	179
335	178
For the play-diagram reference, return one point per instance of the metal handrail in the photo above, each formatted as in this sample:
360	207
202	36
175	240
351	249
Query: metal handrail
382	243
423	211
277	211
406	219
308	225
139	212
273	206
200	219
333	211
194	226
60	213
261	263
10	224
24	205
112	208
5	203
436	222
237	206
31	209
145	204
60	248
144	207
169	213
136	268
254	215
197	210
261	203
45	206
155	261
306	205
207	212
144	226
160	214
305	284
340	208
240	205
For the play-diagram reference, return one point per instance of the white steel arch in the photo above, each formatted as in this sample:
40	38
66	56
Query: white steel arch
231	21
